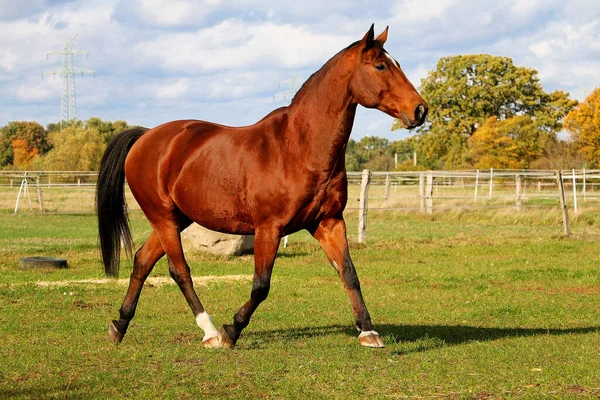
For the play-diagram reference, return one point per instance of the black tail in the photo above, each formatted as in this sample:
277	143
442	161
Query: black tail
113	223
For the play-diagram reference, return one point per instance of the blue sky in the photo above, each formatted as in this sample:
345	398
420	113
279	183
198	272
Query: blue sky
222	61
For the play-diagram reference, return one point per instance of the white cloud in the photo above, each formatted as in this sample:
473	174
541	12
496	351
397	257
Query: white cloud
172	90
235	44
37	90
422	9
531	8
169	13
7	59
540	49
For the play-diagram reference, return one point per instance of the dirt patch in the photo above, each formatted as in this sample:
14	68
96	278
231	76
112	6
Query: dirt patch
152	281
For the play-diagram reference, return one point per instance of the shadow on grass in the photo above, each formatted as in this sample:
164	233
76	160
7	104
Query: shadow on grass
427	337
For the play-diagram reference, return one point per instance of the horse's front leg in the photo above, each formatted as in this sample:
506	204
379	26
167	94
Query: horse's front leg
266	243
331	234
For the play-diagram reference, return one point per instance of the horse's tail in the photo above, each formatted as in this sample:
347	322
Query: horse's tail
113	222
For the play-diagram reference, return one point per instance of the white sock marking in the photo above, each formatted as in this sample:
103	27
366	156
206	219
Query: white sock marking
367	333
205	323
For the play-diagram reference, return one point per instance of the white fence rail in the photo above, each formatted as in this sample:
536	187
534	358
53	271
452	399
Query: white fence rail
426	191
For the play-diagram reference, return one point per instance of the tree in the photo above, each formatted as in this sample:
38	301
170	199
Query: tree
32	133
23	154
107	129
75	149
583	124
465	90
511	143
559	154
370	152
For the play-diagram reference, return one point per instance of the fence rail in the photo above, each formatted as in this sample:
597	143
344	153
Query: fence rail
423	191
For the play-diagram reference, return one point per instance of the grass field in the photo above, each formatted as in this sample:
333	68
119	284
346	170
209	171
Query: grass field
470	305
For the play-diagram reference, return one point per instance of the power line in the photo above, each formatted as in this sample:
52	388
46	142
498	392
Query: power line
68	98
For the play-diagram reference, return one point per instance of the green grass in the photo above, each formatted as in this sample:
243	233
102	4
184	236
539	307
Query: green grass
470	305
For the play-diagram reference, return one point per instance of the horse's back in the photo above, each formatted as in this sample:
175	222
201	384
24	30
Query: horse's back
206	170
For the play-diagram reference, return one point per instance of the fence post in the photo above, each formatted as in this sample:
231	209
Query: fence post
363	205
476	185
574	192
39	193
387	186
421	191
518	184
584	194
563	203
491	182
429	193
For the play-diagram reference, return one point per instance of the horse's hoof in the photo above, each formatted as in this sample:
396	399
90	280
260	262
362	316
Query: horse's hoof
115	336
224	339
212	343
370	339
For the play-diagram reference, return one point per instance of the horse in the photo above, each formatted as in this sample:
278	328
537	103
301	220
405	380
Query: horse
283	174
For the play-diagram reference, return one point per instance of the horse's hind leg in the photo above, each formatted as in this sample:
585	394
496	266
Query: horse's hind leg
331	234
170	238
266	243
144	261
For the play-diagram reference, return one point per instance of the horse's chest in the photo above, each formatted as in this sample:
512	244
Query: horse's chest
324	201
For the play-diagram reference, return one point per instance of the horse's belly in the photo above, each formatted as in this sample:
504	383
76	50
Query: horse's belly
218	210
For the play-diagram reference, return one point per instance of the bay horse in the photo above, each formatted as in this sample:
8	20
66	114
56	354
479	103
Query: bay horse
283	174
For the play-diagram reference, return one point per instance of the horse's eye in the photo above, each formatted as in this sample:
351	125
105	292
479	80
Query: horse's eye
380	67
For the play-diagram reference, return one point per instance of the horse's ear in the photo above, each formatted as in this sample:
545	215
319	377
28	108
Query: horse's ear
368	40
383	37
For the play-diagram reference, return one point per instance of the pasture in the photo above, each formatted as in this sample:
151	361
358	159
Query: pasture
486	304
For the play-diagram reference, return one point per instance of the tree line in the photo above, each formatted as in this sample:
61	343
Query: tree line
485	112
74	146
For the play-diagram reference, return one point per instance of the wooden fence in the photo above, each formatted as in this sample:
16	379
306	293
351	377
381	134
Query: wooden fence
445	190
426	192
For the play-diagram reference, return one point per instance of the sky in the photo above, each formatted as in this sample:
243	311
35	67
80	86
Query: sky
225	61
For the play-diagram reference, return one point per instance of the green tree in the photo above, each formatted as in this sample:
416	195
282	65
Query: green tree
465	90
353	161
107	129
75	149
370	152
32	133
583	124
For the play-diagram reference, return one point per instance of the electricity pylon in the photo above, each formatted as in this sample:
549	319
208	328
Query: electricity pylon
68	98
291	92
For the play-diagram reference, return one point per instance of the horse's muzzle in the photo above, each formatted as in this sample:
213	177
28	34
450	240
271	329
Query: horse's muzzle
418	118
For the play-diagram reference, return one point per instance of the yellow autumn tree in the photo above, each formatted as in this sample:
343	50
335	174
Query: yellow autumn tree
23	153
512	143
583	124
75	149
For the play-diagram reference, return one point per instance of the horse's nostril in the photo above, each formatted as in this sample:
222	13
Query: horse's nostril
420	112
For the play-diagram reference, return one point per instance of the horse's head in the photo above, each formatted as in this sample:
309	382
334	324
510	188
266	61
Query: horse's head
378	82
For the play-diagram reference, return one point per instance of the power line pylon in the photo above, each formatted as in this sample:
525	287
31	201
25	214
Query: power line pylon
68	98
291	92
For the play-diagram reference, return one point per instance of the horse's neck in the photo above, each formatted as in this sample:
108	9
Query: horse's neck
322	118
